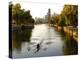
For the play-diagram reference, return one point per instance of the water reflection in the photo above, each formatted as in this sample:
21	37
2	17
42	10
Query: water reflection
20	36
70	45
42	41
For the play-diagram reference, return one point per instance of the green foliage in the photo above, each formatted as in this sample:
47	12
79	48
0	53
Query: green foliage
62	21
55	19
68	16
70	12
20	15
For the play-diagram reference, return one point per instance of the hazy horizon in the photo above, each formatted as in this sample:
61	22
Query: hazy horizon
40	9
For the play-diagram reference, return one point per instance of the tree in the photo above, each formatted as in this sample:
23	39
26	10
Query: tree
16	9
71	14
20	15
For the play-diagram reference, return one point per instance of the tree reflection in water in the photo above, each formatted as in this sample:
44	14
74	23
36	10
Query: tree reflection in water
70	46
20	36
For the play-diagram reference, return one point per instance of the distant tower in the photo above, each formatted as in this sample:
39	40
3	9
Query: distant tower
49	15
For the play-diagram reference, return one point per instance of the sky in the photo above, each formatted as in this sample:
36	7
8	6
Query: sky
39	8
